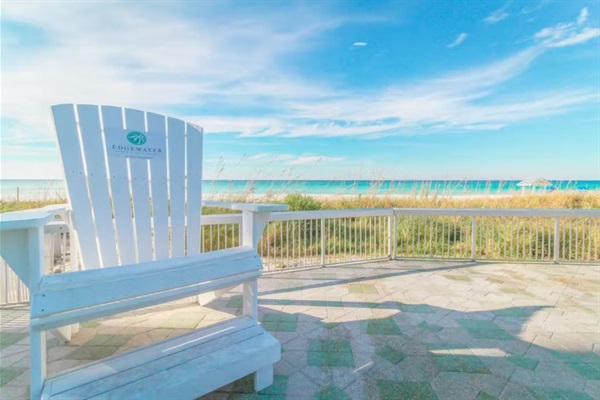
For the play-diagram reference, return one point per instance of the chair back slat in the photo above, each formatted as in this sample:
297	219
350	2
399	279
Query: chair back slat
95	161
112	121
131	205
176	138
73	164
160	194
140	190
194	187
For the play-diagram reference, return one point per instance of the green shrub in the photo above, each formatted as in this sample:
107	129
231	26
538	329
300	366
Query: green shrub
299	202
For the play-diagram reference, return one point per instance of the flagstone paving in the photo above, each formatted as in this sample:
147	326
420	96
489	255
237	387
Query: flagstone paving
378	331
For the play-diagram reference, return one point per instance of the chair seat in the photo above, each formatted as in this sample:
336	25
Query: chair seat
78	296
184	367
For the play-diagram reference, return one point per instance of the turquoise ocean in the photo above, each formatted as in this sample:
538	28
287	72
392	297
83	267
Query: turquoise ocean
40	189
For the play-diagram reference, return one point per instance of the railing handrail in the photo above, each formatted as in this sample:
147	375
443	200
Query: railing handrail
499	212
318	214
216	219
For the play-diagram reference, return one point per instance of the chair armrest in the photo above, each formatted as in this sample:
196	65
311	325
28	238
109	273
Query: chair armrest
254	217
30	218
252	207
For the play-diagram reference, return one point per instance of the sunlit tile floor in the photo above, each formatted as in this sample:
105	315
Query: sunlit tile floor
387	330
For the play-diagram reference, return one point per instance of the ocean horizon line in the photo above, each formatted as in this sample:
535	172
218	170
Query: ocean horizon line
346	180
55	188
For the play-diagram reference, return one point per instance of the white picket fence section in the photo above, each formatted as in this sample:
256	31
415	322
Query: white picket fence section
302	239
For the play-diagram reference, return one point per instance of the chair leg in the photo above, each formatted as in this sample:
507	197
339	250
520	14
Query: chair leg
263	378
37	354
63	333
206	298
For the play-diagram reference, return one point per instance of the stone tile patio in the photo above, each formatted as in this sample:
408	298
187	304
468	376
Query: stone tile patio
388	330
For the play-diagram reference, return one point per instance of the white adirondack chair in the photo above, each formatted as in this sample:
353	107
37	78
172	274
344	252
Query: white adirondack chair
134	183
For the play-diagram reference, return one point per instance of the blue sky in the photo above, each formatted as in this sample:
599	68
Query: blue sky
320	90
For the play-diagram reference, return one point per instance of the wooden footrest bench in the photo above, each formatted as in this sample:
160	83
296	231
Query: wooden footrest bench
184	367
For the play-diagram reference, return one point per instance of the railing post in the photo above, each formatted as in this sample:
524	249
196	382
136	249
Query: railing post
37	339
253	226
393	236
556	239
255	218
323	242
49	252
473	237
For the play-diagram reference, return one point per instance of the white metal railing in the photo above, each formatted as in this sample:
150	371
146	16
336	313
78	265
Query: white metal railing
500	234
324	237
328	237
220	231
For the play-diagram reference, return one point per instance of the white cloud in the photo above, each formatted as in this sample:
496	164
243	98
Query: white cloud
360	44
268	165
305	160
259	156
292	159
483	127
528	9
580	37
30	169
488	75
583	16
193	63
449	102
497	16
131	62
459	39
272	157
568	33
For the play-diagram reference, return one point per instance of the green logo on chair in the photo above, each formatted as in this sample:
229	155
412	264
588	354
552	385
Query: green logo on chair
136	138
